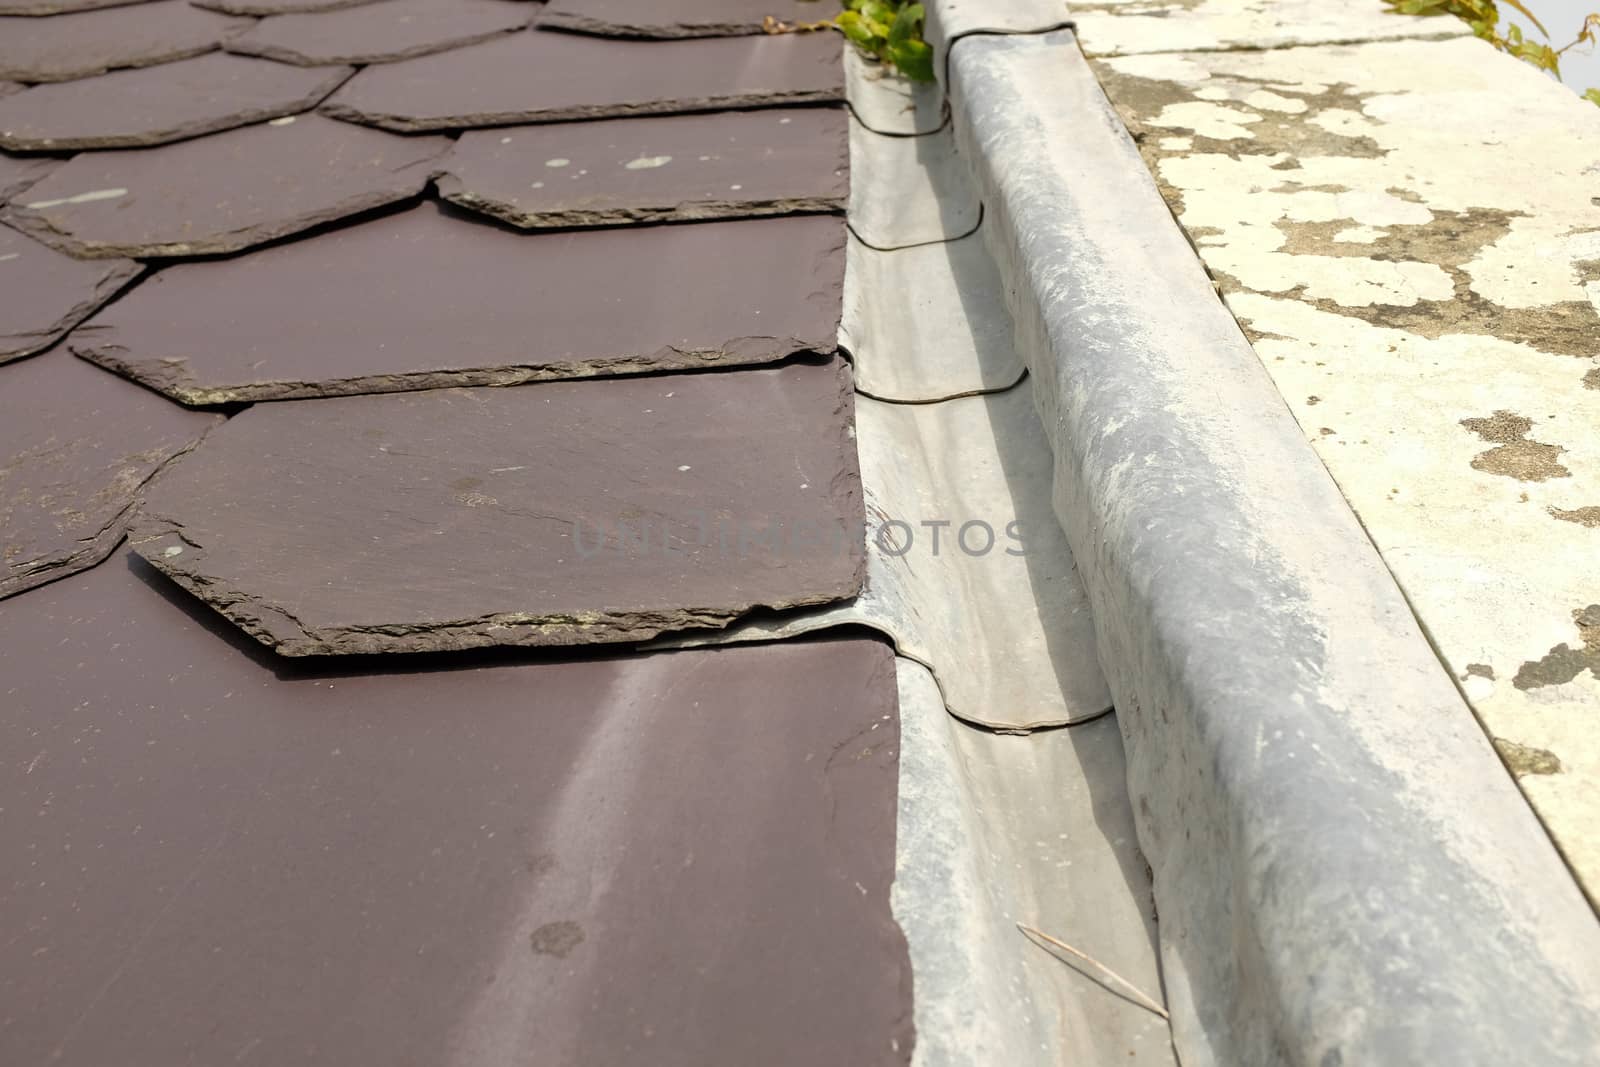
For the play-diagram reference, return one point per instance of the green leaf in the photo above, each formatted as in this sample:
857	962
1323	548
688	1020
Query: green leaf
907	25
1593	96
914	58
877	11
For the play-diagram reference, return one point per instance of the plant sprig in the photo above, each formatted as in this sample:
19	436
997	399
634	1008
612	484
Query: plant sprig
890	30
1484	18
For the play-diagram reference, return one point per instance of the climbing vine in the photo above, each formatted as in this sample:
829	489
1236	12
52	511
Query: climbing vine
891	30
1484	18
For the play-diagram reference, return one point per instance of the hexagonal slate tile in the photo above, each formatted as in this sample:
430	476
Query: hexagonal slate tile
549	77
224	192
679	18
77	446
421	300
79	46
731	164
36	8
381	33
43	293
556	514
277	7
155	105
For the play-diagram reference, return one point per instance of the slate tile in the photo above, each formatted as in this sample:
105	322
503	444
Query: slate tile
556	514
550	77
381	33
731	164
17	173
77	446
154	105
399	868
60	7
78	46
277	7
43	293
679	18
224	192
421	300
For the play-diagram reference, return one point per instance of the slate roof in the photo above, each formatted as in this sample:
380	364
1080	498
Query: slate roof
278	786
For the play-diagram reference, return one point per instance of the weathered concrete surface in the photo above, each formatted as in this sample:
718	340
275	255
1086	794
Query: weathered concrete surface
556	514
78	46
885	101
225	192
910	191
1344	871
1410	235
1122	27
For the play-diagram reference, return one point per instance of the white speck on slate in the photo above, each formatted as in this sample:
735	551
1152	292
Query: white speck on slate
647	162
558	162
537	185
81	198
287	120
685	467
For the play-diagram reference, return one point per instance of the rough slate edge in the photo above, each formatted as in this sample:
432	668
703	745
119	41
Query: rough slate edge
284	54
996	829
353	209
7	88
1358	831
245	7
888	103
1009	641
34	8
578	22
25	171
119	276
153	538
337	77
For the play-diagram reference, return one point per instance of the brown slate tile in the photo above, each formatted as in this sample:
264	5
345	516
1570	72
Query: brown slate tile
35	8
43	293
381	33
17	173
78	46
551	77
556	514
493	864
679	18
224	192
422	300
154	105
730	164
76	447
278	7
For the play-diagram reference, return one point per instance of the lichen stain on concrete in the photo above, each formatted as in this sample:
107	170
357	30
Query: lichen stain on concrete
557	939
1592	379
1564	663
1479	670
1525	759
1514	455
1587	516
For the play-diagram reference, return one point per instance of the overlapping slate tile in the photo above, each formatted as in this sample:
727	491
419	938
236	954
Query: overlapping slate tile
77	446
154	105
401	868
557	514
17	173
61	7
422	300
224	192
78	46
278	7
730	164
43	293
381	33
680	18
547	77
